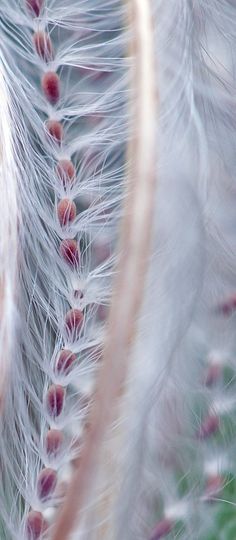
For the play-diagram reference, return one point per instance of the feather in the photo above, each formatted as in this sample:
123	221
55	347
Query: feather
69	74
148	467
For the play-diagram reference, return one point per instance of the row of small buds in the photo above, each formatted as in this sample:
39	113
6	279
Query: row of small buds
210	426
47	481
181	511
213	470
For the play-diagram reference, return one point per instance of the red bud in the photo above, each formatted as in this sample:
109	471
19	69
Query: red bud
35	525
51	86
43	45
55	400
66	211
55	129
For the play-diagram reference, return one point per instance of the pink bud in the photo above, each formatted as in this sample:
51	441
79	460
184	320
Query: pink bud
51	86
43	45
228	307
66	211
35	525
209	426
65	361
161	530
213	374
34	6
53	442
46	484
214	484
55	130
69	250
73	322
66	171
55	400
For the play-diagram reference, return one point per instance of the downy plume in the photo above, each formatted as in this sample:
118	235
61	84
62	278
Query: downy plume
117	268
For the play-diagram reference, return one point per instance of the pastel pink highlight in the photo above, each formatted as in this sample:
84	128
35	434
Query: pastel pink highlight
51	86
213	374
55	400
53	442
214	485
43	45
46	484
55	130
209	426
66	171
69	251
36	525
65	362
34	6
73	322
66	211
161	530
227	307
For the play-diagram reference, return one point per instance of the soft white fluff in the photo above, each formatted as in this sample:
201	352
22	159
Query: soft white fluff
191	263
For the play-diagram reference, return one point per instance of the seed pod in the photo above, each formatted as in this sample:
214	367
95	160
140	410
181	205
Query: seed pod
161	530
66	211
34	6
73	322
53	442
69	250
35	525
43	45
65	361
55	129
213	374
228	306
55	400
51	86
46	483
214	485
209	426
65	171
